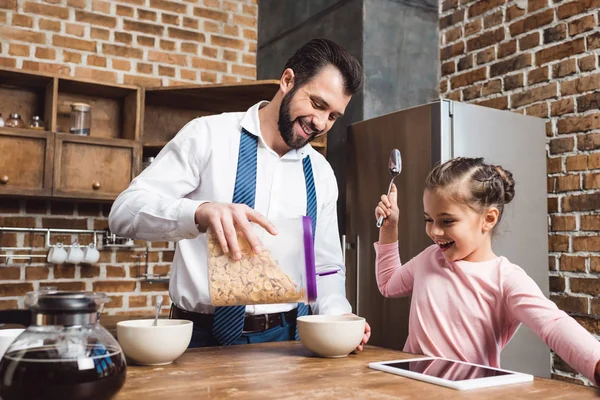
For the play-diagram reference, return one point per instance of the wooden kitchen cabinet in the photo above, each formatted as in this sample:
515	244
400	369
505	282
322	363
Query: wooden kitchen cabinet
26	162
93	168
128	122
54	163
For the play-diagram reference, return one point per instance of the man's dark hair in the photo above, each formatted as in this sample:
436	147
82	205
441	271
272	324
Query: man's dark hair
317	54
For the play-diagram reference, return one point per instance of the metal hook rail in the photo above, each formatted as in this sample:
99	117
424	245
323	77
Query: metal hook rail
48	232
110	240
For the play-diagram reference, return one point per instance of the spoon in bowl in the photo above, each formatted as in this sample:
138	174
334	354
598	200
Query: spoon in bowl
159	301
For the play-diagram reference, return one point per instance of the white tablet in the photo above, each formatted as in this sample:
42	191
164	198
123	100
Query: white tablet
453	374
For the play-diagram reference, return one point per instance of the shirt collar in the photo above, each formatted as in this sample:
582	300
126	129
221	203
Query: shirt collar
251	123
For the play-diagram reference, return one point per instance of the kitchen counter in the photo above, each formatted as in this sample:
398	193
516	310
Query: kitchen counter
288	370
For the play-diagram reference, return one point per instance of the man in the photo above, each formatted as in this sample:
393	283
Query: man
224	171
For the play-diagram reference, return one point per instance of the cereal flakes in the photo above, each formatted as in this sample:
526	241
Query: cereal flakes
255	279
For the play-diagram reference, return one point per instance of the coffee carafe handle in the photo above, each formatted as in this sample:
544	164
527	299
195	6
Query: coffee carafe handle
21	317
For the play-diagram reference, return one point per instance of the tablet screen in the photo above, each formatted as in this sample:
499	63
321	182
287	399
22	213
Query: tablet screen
446	369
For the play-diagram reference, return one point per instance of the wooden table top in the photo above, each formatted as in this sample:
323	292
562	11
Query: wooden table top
288	370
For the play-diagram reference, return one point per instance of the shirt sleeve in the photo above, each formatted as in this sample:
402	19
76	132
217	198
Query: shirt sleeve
527	304
331	289
394	279
154	206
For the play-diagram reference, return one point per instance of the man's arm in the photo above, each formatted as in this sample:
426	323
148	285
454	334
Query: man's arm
154	206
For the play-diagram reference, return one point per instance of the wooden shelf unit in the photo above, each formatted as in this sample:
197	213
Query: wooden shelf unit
128	122
53	163
168	109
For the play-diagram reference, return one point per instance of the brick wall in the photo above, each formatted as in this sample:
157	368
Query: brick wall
540	58
140	42
117	273
145	42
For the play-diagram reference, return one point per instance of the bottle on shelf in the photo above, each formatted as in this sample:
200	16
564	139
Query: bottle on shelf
15	121
37	123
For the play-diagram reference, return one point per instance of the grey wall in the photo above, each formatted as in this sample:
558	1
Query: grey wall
400	55
396	42
283	27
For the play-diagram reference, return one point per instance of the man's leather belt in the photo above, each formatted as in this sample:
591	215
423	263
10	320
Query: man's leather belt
252	323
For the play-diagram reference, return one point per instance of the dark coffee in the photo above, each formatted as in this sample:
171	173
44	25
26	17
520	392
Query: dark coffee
36	374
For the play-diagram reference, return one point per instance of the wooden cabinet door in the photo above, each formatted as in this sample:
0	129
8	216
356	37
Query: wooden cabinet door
25	162
93	168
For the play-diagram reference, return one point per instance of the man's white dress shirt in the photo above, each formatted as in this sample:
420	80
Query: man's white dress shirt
199	165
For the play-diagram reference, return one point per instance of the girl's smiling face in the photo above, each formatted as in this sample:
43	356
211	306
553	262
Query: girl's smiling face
459	231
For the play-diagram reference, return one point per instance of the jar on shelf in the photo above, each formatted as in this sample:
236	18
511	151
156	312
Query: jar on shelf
81	119
37	123
15	121
1	121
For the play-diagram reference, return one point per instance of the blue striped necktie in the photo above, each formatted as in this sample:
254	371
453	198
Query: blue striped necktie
228	322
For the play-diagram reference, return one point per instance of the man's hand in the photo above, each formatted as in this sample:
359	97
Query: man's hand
223	219
365	337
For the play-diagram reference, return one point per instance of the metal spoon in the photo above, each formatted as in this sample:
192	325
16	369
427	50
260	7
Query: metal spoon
395	167
159	301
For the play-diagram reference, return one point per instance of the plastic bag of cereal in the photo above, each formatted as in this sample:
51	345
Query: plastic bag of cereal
284	272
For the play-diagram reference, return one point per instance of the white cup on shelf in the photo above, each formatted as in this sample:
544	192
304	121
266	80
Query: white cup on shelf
91	255
75	254
57	254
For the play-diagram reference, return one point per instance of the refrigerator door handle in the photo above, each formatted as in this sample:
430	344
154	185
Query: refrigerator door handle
352	246
344	248
357	244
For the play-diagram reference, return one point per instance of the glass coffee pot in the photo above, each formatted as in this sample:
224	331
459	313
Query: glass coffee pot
64	353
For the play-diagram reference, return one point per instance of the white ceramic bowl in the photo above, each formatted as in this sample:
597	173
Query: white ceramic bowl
331	335
7	336
145	344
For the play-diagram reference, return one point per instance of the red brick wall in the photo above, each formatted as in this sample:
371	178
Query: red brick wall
117	273
540	58
145	42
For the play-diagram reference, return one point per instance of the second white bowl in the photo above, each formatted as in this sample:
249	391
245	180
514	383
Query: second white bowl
154	345
331	335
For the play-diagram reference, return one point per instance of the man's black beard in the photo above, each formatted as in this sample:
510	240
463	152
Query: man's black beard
286	124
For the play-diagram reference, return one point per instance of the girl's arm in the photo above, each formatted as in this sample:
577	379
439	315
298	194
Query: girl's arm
574	344
393	278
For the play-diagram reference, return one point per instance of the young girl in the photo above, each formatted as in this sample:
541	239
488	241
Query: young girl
467	302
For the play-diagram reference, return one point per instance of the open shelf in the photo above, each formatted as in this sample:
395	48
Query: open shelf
114	109
27	95
167	110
